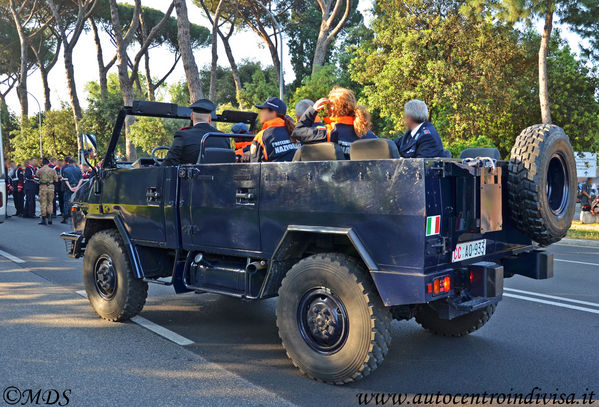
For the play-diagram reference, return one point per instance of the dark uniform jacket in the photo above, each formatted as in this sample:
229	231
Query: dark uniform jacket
426	143
272	143
30	184
188	141
338	130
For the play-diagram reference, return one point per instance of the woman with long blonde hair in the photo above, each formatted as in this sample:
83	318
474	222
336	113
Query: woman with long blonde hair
345	123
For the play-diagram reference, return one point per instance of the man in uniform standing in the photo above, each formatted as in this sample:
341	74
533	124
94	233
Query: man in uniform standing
188	141
30	189
47	177
18	181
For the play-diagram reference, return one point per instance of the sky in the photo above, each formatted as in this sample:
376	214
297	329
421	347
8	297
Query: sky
246	45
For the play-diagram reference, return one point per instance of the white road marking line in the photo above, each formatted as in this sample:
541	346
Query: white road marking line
557	304
578	262
162	331
553	297
11	257
157	329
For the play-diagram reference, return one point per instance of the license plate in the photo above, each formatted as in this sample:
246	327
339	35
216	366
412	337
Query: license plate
469	250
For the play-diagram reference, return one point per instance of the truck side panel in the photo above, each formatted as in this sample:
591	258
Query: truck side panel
374	198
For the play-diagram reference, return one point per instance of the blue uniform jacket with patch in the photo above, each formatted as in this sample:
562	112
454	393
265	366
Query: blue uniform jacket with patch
426	143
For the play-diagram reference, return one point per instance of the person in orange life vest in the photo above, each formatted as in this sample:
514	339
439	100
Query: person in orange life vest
347	122
273	142
241	146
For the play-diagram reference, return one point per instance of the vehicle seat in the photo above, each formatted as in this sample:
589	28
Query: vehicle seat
481	152
319	152
446	153
373	149
217	156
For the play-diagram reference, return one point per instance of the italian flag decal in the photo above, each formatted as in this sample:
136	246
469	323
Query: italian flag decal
433	224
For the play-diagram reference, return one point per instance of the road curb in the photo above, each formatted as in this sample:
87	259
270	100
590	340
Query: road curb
578	242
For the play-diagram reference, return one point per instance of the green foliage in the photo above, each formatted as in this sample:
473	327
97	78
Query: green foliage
478	76
149	132
25	141
315	86
262	86
583	17
101	113
9	123
58	132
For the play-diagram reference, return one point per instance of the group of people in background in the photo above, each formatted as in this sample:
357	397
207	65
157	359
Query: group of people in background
343	123
51	181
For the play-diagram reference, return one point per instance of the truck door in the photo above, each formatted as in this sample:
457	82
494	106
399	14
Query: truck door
137	196
219	206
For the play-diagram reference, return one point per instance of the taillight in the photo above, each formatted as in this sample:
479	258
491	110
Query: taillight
439	285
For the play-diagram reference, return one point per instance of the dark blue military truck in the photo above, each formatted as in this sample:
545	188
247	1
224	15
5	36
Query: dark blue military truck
346	245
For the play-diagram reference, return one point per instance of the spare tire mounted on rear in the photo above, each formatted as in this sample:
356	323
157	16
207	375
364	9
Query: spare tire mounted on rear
542	183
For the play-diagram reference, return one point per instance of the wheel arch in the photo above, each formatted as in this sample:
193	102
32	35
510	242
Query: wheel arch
301	241
97	223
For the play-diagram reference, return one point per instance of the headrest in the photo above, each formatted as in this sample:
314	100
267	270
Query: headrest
319	152
481	152
373	149
217	156
446	153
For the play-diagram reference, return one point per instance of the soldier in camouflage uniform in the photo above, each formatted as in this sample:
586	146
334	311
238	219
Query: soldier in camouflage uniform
47	177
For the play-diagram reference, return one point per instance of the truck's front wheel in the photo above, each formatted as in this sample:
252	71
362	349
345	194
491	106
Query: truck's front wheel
465	324
112	289
331	321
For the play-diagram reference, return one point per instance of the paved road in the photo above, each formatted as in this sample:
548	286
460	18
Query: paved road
543	334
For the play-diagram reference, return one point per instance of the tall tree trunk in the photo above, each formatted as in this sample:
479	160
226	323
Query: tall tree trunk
214	67
24	62
331	10
70	71
102	68
123	41
45	69
149	84
189	64
234	69
543	80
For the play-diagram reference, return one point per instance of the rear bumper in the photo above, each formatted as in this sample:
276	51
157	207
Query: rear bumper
73	243
477	285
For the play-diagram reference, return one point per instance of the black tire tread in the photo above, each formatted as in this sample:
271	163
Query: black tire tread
380	317
461	327
138	289
523	184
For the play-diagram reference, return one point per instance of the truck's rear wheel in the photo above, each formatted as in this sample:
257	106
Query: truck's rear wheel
331	321
542	183
112	289
429	319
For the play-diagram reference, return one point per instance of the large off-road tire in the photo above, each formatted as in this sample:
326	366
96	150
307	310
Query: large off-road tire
542	183
112	289
331	320
429	319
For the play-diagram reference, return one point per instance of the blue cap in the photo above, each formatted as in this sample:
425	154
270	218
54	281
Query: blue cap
275	104
240	128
